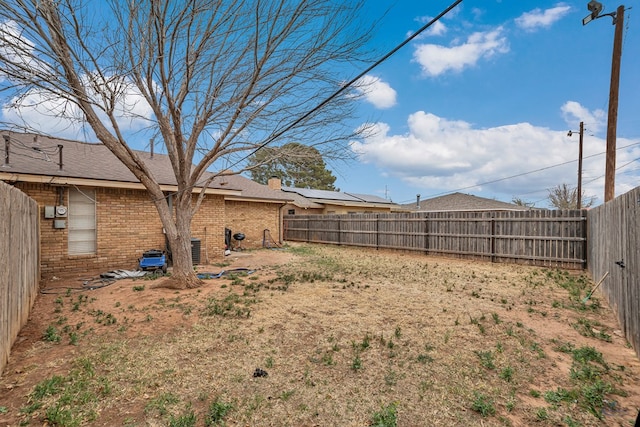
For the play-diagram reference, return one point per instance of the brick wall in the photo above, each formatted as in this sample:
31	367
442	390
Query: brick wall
251	219
208	226
127	225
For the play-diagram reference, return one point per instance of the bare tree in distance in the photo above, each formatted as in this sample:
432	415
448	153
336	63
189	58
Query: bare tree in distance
563	196
219	80
521	202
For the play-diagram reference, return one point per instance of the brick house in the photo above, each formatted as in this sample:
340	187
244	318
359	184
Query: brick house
96	216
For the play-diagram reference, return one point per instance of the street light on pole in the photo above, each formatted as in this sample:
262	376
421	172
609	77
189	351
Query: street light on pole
579	195
595	8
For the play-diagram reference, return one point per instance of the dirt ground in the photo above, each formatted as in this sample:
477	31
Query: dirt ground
354	332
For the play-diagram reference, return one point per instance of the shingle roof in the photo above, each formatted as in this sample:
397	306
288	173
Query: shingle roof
462	202
39	155
254	190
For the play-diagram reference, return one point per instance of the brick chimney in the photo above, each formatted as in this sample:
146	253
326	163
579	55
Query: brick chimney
274	183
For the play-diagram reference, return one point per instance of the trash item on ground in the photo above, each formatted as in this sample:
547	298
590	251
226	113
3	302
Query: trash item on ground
89	284
259	373
205	275
153	259
123	274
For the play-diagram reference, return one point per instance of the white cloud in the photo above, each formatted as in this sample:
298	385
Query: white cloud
573	113
18	50
51	114
376	91
539	18
436	29
437	154
436	59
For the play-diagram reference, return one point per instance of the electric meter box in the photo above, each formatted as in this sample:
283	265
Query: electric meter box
49	212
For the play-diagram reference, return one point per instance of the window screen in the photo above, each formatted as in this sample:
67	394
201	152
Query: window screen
82	222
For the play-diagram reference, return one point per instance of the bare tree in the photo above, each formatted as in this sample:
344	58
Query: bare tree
221	78
521	202
563	196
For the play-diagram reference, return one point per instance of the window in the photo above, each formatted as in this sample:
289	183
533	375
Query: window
291	212
82	222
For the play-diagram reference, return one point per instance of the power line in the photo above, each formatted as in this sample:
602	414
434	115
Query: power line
531	172
336	93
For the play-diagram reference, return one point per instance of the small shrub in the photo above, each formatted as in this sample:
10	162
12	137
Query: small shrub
542	414
486	359
424	358
507	374
483	404
560	395
356	364
218	409
185	420
51	334
386	417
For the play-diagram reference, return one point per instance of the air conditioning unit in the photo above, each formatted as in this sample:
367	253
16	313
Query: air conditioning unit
61	211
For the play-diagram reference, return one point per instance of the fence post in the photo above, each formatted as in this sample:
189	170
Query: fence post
584	224
426	234
339	231
377	232
493	237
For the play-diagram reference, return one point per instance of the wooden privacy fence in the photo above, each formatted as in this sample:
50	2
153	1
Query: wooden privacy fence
614	246
19	264
537	237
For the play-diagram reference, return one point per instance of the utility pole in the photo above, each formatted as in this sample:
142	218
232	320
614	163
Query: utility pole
579	198
595	7
612	121
579	195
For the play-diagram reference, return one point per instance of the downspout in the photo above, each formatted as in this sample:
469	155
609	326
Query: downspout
280	223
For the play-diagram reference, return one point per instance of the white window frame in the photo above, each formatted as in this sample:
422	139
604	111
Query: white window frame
82	235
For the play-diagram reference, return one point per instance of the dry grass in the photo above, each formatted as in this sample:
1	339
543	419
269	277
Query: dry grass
348	337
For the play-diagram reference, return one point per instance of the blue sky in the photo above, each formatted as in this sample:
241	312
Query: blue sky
480	103
490	92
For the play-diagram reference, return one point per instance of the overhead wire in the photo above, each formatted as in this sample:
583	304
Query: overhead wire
329	98
531	172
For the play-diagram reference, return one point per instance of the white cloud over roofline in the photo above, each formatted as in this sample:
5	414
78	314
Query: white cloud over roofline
51	114
441	154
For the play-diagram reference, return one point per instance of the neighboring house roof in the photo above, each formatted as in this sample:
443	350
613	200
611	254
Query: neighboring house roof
326	197
462	202
302	202
37	159
253	190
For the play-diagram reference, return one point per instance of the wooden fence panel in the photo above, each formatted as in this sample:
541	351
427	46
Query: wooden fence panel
359	230
19	264
536	237
614	247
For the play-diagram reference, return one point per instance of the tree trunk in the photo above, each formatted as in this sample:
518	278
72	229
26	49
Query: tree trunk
178	232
